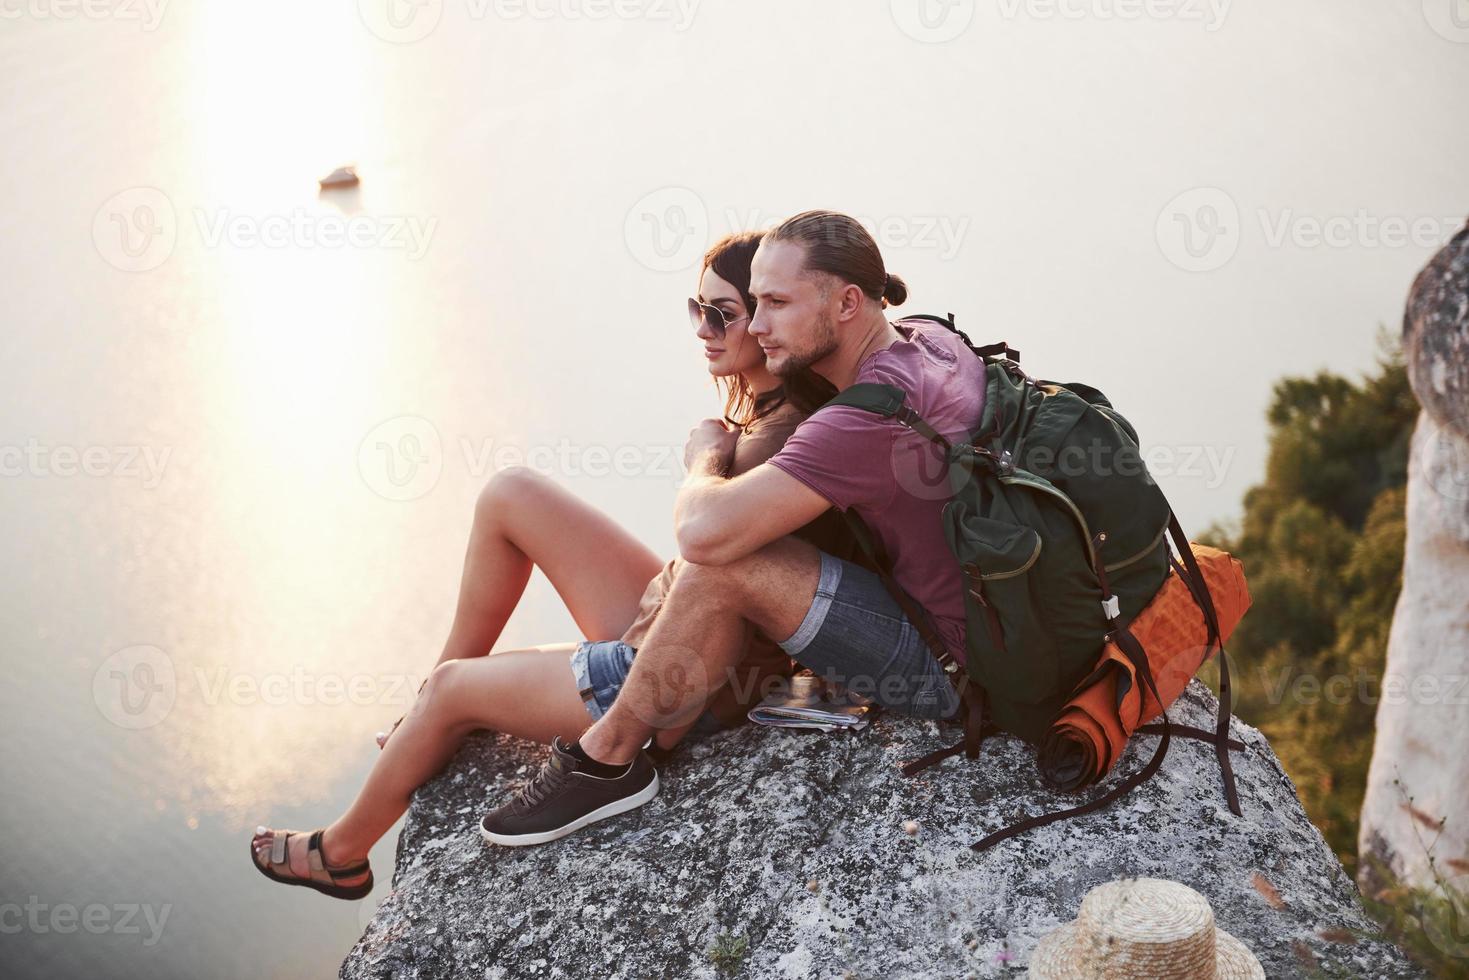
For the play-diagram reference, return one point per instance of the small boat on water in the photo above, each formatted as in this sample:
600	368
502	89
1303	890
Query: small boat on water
340	177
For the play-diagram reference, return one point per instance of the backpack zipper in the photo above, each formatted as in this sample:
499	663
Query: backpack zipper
1086	534
997	576
1140	555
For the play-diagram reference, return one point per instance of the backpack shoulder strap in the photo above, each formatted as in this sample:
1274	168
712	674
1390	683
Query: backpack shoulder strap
971	695
889	401
879	399
989	350
916	614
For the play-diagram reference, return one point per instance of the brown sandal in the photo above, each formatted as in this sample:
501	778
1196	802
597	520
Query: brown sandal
322	878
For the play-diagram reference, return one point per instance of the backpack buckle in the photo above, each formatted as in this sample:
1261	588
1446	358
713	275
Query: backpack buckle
1003	463
1111	607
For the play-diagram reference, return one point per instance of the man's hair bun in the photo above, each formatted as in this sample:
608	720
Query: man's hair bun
894	290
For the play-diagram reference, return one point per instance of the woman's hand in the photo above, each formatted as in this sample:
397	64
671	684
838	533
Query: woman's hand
710	448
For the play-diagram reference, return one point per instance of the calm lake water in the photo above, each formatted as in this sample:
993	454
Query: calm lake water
244	424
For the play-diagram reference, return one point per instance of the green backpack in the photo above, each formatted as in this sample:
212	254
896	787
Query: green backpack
1060	535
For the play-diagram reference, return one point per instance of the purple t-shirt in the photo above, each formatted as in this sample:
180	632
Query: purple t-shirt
893	477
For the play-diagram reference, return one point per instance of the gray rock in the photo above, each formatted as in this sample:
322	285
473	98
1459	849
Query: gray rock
796	843
1420	772
1436	335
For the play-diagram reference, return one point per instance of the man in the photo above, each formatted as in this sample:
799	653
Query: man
821	290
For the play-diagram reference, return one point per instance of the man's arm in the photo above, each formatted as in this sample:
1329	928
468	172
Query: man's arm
718	520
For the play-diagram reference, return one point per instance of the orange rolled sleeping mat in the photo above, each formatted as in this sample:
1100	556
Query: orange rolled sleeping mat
1089	733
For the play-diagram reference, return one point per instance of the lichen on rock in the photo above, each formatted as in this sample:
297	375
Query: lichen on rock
724	859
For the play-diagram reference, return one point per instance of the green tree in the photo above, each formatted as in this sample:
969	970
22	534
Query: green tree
1321	540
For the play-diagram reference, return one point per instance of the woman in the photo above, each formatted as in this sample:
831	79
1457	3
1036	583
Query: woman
612	584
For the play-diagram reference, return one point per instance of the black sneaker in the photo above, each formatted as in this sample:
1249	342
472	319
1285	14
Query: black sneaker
562	798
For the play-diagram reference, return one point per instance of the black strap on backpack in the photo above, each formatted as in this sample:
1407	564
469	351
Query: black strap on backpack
1132	649
988	350
1200	589
971	695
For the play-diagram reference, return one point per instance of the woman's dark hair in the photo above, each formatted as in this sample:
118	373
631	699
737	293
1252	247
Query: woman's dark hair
730	258
839	246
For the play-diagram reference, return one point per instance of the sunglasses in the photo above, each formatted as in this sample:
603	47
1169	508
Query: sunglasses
702	315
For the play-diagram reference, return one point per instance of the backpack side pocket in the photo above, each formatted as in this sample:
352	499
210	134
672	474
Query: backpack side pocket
1010	652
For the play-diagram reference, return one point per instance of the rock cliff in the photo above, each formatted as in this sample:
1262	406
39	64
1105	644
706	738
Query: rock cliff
776	854
1421	751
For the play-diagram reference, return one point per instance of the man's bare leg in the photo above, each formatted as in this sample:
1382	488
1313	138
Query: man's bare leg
698	636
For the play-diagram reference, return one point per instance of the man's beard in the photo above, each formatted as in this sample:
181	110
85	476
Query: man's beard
822	344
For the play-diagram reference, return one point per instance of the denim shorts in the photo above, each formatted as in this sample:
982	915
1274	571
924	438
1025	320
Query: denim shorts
601	666
856	634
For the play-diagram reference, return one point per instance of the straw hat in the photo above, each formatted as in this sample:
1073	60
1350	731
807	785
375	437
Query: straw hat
1143	929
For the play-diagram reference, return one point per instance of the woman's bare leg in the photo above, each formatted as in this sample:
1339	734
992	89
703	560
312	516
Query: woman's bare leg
523	519
528	693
